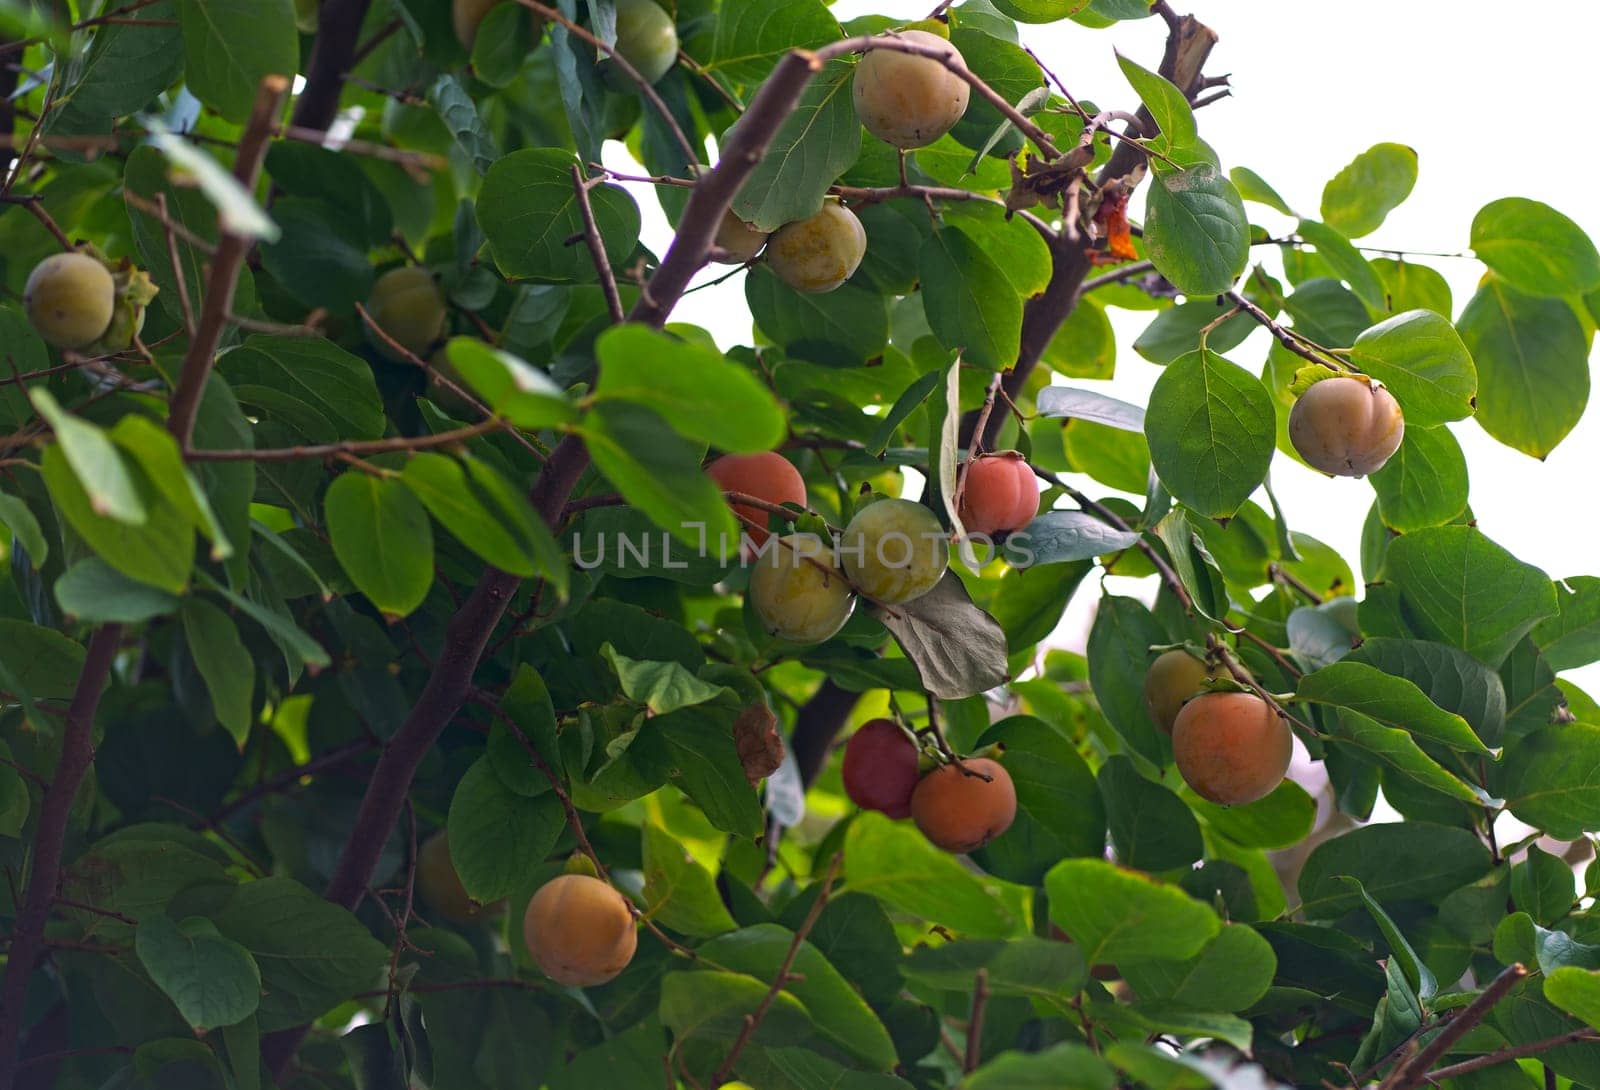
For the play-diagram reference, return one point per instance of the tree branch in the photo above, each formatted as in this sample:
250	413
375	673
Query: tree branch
1414	1072
1516	1052
597	246
49	839
332	54
356	447
223	278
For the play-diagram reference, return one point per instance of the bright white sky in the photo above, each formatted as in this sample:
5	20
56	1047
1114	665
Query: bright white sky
1486	100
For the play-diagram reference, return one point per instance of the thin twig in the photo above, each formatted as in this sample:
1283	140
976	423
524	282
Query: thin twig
178	276
597	247
980	997
450	438
1515	1052
1413	1073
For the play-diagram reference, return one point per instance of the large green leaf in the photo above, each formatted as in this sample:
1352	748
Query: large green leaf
1211	429
1281	820
1233	971
840	1015
383	540
1425	482
971	304
1037	968
212	980
1451	678
1536	248
697	390
513	388
1119	651
311	384
312	955
159	552
38	662
814	145
1533	368
750	35
1392	701
1124	917
224	662
841	328
716	1005
679	893
498	837
1408	861
1041	11
658	471
1065	1064
1572	638
1344	259
1358	198
93	591
1420	357
1195	230
441	483
528	210
1059	812
107	482
230	45
1459	587
1168	105
1150	826
705	765
897	865
1551	779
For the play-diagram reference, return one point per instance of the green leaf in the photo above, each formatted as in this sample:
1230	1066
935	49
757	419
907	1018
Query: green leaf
39	662
1065	1064
1119	651
840	1015
1059	812
1572	638
160	552
1175	331
1392	701
1078	404
749	36
1040	11
1031	967
460	115
705	765
498	837
510	505
230	45
1422	360
513	388
1231	973
441	483
107	482
1576	991
1085	346
1211	429
1345	260
1410	286
1533	369
381	535
1551	779
527	210
715	1005
661	686
679	893
958	649
1418	975
1535	248
697	390
1425	482
312	955
93	591
658	471
1150	827
1168	105
1124	917
897	865
18	518
155	451
1253	187
815	144
970	302
235	205
212	980
224	663
1395	746
1195	230
126	65
526	703
1449	677
1359	197
1459	587
15	802
841	328
1057	537
313	385
1281	820
283	630
1408	861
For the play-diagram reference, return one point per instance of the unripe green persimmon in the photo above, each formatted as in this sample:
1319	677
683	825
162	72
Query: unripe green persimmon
467	15
907	100
894	551
796	590
70	299
1173	678
818	253
1346	427
579	930
646	38
407	304
440	886
738	241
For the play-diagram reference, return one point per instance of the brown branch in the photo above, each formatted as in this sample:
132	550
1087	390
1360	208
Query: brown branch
223	279
332	53
49	839
752	1021
37	211
980	997
181	281
286	779
1413	1073
1117	276
1297	343
450	438
1515	1052
597	247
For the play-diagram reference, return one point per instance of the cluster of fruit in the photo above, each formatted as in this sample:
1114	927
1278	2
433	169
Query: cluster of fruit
1231	748
959	805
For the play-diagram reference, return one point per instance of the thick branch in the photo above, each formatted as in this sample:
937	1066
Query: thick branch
1415	1072
77	754
1515	1052
819	722
332	54
225	266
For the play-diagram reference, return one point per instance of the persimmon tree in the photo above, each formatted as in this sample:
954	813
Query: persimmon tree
423	663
